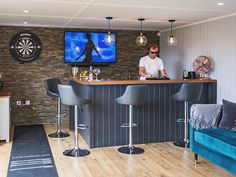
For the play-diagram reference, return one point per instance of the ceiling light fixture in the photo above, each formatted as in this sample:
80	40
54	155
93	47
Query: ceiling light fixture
220	4
141	40
26	11
25	23
172	41
109	38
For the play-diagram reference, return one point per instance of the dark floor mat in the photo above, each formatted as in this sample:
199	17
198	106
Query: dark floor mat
31	154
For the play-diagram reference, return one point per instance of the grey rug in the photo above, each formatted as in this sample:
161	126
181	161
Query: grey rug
31	154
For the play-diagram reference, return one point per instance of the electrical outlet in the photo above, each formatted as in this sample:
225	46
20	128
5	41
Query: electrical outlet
18	103
27	102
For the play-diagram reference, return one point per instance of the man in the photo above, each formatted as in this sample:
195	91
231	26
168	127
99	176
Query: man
151	65
88	50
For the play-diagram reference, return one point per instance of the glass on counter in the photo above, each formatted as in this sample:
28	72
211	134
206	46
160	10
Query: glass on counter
185	74
96	71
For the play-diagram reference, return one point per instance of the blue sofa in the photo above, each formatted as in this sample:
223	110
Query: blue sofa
216	145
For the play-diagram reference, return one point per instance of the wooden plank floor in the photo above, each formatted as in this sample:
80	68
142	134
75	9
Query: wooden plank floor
159	160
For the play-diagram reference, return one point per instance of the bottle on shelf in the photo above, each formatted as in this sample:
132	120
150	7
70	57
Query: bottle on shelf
90	76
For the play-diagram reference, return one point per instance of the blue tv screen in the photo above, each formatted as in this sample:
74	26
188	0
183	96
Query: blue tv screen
88	48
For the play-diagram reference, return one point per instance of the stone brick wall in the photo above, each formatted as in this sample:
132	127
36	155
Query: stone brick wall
25	81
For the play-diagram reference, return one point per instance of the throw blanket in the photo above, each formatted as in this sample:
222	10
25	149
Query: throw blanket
205	115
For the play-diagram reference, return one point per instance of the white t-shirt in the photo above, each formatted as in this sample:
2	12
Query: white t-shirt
151	66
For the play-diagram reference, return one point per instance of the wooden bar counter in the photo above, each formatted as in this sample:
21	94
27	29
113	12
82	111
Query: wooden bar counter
130	82
156	119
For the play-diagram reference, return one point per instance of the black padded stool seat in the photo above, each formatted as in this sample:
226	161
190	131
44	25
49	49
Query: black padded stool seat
189	93
52	91
134	95
71	98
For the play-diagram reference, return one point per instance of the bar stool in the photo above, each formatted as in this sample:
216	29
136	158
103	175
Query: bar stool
134	95
189	93
52	91
71	98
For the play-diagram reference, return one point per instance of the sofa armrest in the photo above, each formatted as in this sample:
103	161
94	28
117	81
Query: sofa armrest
191	136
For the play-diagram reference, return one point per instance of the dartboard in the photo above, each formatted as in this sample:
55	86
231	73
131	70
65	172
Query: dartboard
25	46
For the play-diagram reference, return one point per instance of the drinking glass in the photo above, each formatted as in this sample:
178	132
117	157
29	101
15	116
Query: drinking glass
185	74
96	71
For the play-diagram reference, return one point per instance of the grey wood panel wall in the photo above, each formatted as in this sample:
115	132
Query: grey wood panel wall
215	39
156	119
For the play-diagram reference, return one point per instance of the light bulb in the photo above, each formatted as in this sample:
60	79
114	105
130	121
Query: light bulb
172	41
109	38
141	40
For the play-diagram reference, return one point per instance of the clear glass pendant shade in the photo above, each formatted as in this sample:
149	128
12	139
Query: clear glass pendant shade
171	40
141	40
109	38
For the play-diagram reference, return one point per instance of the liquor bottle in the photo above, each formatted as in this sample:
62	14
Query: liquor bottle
90	76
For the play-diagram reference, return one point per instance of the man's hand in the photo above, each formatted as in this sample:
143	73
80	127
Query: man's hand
148	75
164	74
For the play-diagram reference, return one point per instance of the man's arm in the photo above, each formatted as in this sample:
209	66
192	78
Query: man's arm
97	52
163	73
81	54
142	72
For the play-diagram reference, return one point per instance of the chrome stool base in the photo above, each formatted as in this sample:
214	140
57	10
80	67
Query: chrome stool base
130	150
76	152
181	144
58	135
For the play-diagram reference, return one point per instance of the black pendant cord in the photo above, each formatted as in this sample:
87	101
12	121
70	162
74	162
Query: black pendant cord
171	21
141	20
142	27
109	24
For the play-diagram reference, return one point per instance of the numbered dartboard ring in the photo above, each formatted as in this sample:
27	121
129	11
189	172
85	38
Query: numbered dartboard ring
25	47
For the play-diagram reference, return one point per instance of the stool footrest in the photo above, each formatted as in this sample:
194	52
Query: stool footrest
125	125
82	126
62	115
180	120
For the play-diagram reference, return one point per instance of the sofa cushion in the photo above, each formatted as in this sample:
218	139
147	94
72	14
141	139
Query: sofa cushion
205	115
220	140
229	115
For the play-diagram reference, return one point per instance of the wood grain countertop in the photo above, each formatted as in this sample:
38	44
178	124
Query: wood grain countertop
127	82
5	94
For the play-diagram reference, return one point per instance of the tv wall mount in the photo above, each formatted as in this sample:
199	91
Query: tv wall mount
25	46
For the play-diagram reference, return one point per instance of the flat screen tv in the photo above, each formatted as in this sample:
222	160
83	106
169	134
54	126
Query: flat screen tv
88	48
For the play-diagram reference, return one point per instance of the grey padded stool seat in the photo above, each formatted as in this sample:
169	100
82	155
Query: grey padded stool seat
52	91
71	98
134	95
189	92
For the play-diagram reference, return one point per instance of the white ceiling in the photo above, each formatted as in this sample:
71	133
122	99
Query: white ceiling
92	13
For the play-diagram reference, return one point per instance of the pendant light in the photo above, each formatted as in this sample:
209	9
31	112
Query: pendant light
109	38
172	41
141	40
